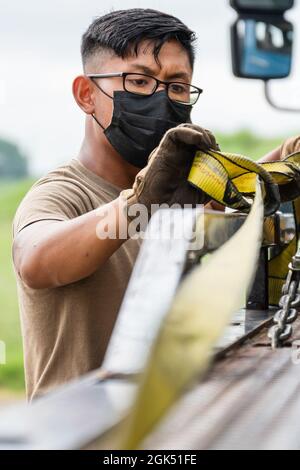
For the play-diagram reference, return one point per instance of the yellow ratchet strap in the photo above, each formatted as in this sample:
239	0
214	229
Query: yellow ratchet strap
230	180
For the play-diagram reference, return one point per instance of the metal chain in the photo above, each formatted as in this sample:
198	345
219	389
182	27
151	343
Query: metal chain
282	329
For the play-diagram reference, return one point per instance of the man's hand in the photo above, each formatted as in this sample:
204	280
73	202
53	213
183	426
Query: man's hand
291	145
164	179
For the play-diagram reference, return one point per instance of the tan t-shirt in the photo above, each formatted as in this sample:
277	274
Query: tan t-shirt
66	329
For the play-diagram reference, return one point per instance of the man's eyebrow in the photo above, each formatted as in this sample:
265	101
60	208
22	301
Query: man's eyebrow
143	68
149	71
175	75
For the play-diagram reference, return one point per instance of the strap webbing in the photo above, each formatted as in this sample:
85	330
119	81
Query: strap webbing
230	180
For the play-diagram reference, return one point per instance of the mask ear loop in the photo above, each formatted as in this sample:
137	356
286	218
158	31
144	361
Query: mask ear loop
98	122
104	92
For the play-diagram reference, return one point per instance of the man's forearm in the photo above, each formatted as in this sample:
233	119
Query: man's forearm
58	253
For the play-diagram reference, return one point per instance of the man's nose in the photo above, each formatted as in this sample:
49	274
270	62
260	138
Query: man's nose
161	86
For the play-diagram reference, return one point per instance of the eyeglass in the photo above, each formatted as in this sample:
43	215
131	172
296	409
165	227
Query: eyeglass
142	84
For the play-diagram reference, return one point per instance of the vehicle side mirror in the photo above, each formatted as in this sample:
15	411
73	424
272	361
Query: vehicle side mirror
262	6
261	49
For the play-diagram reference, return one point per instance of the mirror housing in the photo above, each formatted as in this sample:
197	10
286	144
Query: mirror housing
262	6
261	47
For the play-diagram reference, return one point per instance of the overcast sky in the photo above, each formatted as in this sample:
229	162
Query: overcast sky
39	52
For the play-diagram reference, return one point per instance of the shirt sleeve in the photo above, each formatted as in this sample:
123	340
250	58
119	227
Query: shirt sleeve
48	199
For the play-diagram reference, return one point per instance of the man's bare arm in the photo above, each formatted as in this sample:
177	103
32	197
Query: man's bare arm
53	253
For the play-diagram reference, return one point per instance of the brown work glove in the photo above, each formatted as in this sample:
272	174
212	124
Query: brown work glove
164	179
289	146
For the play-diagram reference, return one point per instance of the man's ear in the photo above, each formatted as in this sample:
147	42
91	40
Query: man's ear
83	93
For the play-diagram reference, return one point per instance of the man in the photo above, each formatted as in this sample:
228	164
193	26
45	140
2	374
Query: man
137	95
71	283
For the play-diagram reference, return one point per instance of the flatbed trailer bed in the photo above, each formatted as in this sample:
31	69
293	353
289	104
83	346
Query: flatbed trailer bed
250	399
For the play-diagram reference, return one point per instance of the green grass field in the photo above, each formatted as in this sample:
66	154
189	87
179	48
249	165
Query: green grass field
248	144
11	374
11	193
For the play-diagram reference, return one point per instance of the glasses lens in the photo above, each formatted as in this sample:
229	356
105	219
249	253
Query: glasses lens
183	93
139	84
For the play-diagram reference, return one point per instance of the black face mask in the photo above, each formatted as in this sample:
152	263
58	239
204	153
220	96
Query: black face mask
139	123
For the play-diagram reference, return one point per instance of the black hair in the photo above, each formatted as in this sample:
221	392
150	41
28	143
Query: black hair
122	31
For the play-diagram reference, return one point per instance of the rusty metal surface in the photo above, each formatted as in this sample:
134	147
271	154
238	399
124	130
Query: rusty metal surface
244	325
249	400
